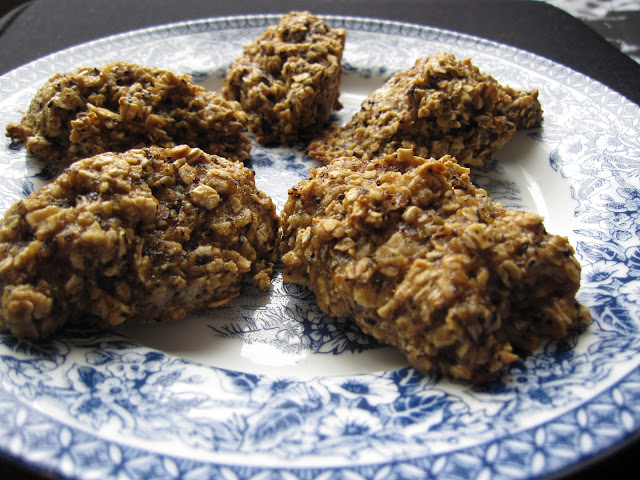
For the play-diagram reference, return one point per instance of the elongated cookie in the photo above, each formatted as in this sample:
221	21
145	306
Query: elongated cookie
440	106
120	106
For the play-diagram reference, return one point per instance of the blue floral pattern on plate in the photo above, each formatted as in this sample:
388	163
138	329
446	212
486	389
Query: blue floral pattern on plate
115	404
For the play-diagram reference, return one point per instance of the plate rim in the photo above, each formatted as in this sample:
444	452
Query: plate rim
168	27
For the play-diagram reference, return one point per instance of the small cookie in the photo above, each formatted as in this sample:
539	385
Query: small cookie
288	79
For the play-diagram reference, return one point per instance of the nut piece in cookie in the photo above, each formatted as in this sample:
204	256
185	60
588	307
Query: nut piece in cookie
288	79
440	106
421	259
145	235
120	106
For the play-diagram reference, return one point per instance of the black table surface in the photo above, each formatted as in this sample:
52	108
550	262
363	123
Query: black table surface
37	28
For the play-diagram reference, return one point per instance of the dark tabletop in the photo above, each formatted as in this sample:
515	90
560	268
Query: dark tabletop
30	30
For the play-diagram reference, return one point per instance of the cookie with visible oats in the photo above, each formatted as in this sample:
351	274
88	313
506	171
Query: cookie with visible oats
121	106
146	235
421	259
440	106
288	79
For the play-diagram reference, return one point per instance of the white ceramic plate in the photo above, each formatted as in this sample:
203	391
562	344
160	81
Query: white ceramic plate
268	385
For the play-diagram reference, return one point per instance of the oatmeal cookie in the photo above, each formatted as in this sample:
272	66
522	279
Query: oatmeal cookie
145	235
440	106
288	79
121	106
421	259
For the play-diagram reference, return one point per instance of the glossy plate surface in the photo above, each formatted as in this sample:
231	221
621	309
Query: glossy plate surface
268	384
